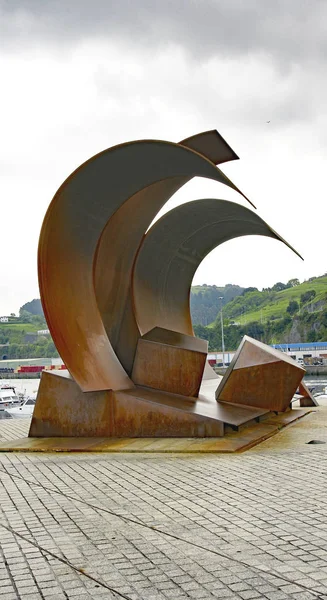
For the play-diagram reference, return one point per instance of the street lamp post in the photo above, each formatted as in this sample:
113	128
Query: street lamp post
222	329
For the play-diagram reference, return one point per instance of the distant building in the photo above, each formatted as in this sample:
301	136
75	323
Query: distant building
308	352
4	319
43	332
304	350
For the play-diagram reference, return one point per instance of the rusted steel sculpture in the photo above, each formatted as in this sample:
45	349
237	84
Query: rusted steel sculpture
114	295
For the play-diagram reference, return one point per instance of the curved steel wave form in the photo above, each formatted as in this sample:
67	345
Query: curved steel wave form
173	249
137	177
94	233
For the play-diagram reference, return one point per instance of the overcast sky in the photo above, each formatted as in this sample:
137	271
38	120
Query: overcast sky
80	76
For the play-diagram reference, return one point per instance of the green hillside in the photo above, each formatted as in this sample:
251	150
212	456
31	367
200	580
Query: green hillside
285	313
19	339
272	304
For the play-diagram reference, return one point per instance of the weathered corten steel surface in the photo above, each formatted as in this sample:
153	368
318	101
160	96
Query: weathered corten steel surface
64	410
260	376
69	241
146	414
175	338
170	361
114	261
120	241
173	249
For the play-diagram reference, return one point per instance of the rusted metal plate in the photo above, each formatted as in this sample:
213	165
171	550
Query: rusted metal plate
69	240
175	338
165	367
141	415
212	145
116	253
260	376
171	361
61	409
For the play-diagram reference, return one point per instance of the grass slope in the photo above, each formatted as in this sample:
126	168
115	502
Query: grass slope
265	305
276	308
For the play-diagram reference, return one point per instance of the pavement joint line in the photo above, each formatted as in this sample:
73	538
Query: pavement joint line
64	561
12	580
260	569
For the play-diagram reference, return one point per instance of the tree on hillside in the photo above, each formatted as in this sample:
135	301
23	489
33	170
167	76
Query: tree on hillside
279	286
293	307
249	289
293	283
307	296
229	292
34	307
25	316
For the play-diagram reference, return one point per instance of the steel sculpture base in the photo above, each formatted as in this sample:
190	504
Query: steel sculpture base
260	376
250	435
259	380
63	410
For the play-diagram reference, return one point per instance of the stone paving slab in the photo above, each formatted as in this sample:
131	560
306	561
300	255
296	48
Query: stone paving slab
13	429
159	526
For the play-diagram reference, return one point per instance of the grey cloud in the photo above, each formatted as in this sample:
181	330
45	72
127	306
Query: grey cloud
289	31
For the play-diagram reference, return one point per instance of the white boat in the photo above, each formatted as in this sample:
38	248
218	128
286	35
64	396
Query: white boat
24	410
8	398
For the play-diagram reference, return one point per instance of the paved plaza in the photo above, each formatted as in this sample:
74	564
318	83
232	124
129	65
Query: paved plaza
165	526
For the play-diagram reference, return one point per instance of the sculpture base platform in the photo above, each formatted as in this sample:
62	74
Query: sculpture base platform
62	410
249	436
